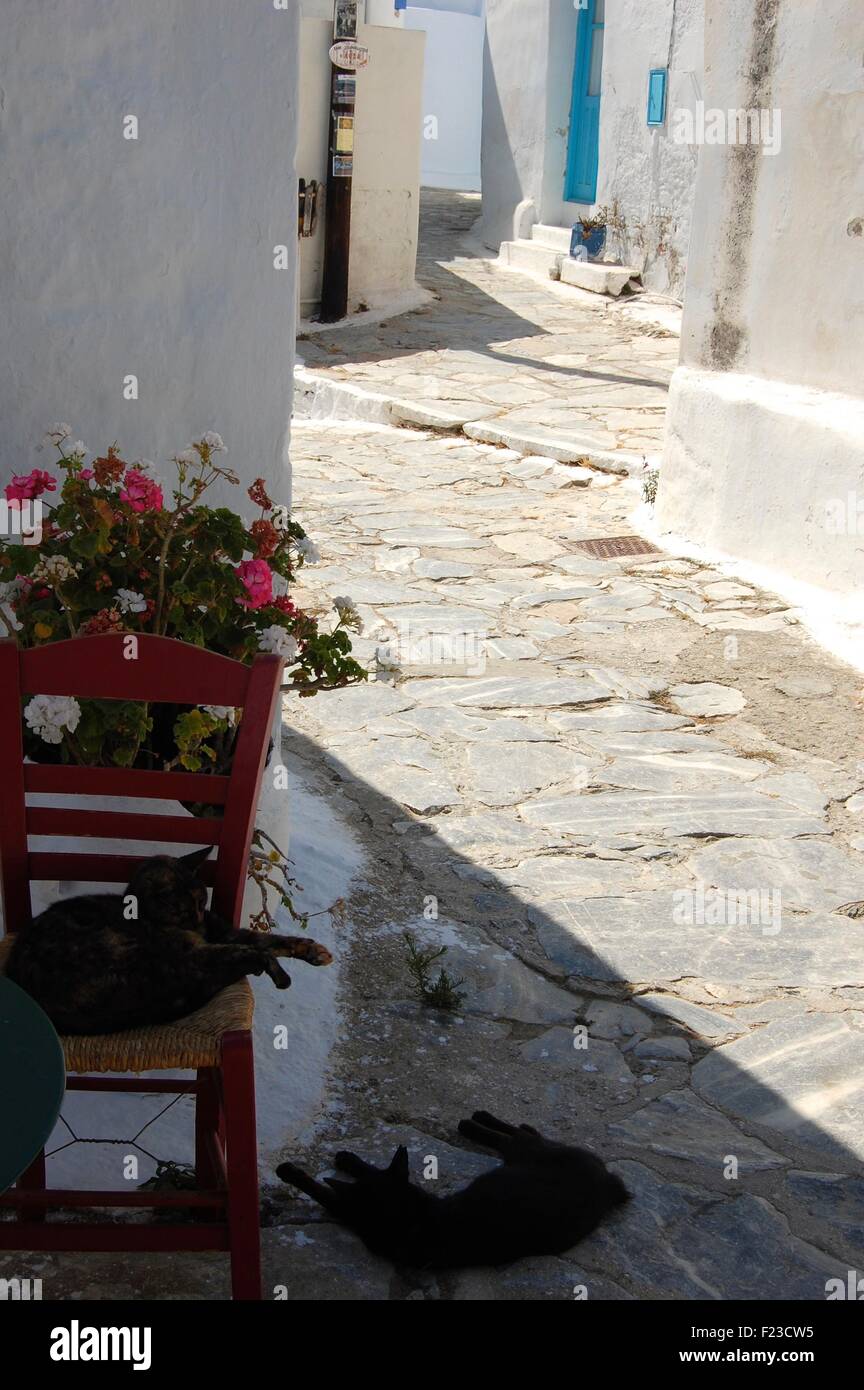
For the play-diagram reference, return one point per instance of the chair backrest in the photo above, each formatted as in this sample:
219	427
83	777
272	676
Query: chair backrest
115	666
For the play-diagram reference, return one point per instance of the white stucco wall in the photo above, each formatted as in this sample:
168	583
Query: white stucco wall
386	183
452	97
766	423
515	69
642	170
154	256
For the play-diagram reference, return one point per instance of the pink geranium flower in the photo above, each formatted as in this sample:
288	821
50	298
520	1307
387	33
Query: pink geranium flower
25	486
257	578
142	494
86	474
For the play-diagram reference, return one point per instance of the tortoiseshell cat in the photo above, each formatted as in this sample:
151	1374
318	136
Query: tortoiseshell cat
541	1200
92	971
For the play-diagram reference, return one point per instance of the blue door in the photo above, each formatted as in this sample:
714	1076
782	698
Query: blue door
580	184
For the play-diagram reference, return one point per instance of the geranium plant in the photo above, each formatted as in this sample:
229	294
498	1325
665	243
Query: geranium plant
116	555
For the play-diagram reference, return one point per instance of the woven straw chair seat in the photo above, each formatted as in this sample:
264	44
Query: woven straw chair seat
193	1041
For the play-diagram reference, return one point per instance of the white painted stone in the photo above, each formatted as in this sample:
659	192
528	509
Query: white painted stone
599	278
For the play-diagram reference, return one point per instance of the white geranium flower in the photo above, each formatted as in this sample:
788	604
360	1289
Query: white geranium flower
310	552
49	715
348	612
11	589
188	456
55	569
215	443
55	434
276	639
77	450
129	602
142	465
220	712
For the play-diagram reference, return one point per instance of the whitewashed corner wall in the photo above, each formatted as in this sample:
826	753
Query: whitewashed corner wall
764	454
385	200
514	130
150	257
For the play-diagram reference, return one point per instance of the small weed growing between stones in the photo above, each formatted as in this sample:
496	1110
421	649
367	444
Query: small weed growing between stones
650	484
440	993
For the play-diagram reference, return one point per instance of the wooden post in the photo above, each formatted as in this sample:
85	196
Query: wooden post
340	164
337	223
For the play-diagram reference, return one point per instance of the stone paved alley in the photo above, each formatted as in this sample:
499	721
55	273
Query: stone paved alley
639	728
573	748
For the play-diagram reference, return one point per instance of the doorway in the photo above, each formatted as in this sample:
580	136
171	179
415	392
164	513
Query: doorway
580	183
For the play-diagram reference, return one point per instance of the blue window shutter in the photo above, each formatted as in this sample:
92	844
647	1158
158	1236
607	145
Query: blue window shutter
657	96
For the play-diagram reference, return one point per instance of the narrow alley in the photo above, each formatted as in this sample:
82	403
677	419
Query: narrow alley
578	772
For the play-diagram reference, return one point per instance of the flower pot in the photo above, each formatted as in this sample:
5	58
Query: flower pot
587	245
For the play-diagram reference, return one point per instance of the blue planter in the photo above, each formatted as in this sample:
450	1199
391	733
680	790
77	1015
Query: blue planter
587	246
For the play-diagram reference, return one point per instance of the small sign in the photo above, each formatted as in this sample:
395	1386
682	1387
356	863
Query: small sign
345	91
343	166
349	56
657	96
345	19
344	134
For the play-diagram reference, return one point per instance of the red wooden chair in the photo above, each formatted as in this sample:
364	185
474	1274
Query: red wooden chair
216	1041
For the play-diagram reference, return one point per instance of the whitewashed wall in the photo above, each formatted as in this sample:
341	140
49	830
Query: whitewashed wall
386	185
642	169
766	421
452	97
152	257
515	72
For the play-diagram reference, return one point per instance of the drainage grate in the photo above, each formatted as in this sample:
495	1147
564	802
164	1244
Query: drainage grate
611	547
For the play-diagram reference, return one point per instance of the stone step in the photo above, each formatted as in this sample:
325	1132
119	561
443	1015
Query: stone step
531	258
596	275
556	238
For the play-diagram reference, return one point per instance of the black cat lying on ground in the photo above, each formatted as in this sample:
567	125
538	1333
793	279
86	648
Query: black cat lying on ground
542	1200
94	971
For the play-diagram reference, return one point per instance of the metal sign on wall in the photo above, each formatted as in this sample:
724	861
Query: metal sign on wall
345	19
349	56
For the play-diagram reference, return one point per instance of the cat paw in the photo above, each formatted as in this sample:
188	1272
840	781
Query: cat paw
318	954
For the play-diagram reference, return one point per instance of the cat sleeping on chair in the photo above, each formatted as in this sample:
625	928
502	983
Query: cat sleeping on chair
541	1200
95	971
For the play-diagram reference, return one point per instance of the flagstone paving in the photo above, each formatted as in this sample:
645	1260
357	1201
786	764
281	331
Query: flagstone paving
512	361
629	812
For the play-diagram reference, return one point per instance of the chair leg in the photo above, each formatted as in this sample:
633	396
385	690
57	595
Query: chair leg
33	1180
208	1120
238	1081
